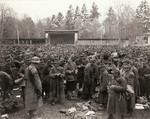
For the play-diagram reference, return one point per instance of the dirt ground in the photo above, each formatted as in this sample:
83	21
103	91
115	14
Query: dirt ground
48	111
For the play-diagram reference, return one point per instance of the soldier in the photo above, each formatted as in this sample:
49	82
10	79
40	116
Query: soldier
46	79
70	77
147	84
103	92
6	84
21	73
90	73
80	74
129	76
60	83
142	79
136	80
33	90
116	95
53	83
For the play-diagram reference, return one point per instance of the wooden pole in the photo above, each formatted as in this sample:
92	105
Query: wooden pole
18	35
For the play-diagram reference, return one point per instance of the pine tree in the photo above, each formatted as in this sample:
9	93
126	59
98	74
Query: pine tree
94	11
59	19
109	22
70	18
54	22
84	13
77	13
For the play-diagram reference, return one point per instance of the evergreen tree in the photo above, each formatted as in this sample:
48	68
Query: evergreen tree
84	13
77	13
109	22
94	11
70	18
60	18
48	23
53	22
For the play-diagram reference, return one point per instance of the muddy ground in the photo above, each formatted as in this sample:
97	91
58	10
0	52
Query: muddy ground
48	111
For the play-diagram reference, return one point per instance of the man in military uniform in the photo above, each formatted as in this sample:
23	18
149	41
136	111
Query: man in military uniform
130	78
70	77
60	82
53	82
46	79
33	90
6	84
104	80
90	74
142	79
116	95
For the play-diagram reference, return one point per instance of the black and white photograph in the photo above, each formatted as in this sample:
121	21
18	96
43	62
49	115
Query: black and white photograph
74	59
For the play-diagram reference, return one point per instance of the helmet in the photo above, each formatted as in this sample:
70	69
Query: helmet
35	59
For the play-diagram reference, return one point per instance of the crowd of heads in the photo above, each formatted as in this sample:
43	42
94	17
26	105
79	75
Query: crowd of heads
63	53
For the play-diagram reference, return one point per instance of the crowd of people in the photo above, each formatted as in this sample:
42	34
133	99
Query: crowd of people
56	73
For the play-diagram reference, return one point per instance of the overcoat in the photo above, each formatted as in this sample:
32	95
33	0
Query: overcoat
142	80
32	100
70	70
6	83
90	73
53	83
116	97
103	92
130	78
136	81
147	85
60	85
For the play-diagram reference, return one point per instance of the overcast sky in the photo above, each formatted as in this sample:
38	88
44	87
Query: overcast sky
38	9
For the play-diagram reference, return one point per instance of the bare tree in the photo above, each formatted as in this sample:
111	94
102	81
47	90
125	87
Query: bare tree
125	16
5	14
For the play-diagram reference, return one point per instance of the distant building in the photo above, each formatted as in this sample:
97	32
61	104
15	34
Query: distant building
68	39
55	37
142	39
25	41
123	42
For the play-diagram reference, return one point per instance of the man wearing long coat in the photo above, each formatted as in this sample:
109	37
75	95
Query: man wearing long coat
90	73
6	84
136	81
142	79
116	96
147	84
130	78
53	84
60	84
33	88
70	69
103	92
